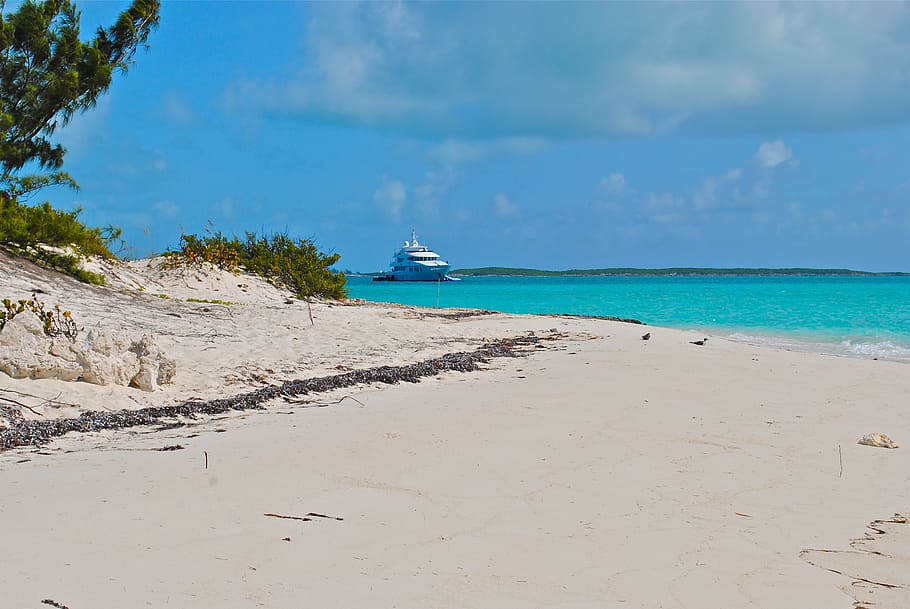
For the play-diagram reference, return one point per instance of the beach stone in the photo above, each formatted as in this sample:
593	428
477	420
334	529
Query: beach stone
154	367
101	358
18	365
65	349
108	343
147	377
24	331
116	369
167	370
25	352
878	440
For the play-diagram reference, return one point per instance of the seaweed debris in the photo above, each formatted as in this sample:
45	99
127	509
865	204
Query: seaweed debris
625	320
37	433
456	314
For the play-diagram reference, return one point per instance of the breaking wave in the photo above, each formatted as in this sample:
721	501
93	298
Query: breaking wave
859	348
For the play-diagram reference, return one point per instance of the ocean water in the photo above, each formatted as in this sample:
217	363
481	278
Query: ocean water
856	316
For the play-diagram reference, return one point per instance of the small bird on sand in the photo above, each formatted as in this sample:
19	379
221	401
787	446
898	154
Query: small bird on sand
646	336
700	343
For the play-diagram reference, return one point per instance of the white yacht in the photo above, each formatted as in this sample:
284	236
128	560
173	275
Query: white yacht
416	262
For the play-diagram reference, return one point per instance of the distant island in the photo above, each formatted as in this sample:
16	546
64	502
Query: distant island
499	271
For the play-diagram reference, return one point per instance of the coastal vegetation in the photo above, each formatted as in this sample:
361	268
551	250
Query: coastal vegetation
676	271
295	264
55	322
47	76
53	238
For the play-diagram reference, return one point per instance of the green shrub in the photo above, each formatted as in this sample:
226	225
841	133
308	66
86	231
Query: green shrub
295	264
215	249
24	228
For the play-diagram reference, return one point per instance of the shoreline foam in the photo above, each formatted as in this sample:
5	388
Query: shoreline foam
873	349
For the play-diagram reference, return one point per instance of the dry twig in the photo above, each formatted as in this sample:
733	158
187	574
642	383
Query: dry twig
310	404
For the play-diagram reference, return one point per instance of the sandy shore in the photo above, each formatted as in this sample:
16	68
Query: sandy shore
600	471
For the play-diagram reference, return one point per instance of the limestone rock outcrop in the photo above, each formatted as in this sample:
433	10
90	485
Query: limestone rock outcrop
102	357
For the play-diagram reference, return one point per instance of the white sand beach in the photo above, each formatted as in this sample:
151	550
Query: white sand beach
599	471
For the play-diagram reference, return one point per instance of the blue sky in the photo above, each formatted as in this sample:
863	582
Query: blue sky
513	134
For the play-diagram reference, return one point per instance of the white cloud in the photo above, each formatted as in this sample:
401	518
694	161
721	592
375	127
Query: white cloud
176	108
453	151
87	132
598	69
450	154
665	208
620	200
159	163
430	192
614	184
391	195
723	191
613	194
166	210
742	190
226	208
705	195
750	185
504	207
772	154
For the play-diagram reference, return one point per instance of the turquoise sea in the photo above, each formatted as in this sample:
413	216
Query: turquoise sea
858	316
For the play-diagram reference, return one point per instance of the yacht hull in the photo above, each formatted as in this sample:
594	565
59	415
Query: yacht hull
434	275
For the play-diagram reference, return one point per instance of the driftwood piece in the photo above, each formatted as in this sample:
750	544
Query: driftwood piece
53	400
21	405
311	404
308	518
303	518
873	564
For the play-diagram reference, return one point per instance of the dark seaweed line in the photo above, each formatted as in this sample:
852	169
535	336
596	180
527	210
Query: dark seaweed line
625	320
36	433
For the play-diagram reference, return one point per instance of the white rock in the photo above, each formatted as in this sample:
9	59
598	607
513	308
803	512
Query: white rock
147	377
25	351
114	369
25	363
878	440
64	349
108	343
102	357
24	331
154	367
167	369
